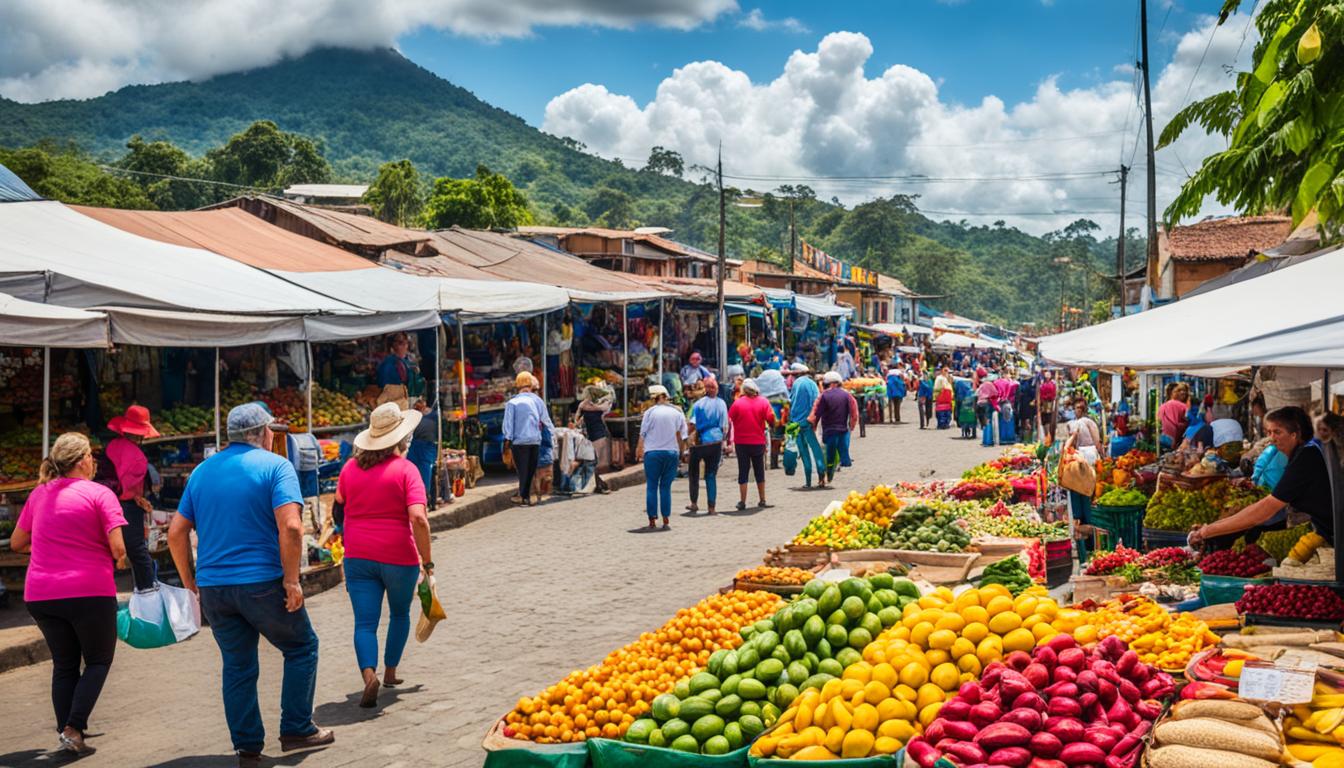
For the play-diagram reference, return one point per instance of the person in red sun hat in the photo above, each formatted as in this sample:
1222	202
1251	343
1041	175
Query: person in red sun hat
132	467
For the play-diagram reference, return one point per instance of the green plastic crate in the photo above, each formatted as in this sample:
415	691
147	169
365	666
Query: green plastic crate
1124	524
608	753
1216	590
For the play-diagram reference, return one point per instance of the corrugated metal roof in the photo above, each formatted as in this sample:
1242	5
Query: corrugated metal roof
327	190
1234	237
800	271
335	227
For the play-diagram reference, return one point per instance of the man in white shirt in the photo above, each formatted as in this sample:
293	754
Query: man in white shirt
662	439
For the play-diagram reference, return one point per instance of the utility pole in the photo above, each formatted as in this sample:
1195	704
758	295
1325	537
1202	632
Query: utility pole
722	316
1120	244
793	237
1152	161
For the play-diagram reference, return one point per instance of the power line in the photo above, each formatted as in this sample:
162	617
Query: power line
922	179
1212	33
115	169
1019	213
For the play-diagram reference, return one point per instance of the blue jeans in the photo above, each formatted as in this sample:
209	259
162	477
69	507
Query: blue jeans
239	615
660	469
422	454
844	451
365	582
1080	506
835	452
809	450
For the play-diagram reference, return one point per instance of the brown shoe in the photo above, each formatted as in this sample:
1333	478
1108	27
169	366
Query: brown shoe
370	698
249	760
318	738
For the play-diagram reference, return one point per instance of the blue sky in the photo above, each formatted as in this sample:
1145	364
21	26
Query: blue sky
971	49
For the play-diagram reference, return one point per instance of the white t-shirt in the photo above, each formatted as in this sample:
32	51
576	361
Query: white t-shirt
660	427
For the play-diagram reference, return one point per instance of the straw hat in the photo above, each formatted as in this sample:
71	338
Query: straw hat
388	426
134	422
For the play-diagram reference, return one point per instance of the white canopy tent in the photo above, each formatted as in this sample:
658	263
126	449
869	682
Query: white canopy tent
897	329
29	324
1291	316
810	305
951	340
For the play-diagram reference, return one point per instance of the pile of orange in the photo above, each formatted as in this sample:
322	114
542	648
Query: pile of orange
767	574
604	700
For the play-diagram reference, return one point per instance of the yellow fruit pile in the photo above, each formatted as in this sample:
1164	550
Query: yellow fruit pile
766	574
897	689
1149	629
1315	732
605	699
841	530
878	505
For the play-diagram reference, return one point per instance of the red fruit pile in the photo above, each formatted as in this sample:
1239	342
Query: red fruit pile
1245	564
1294	601
1110	562
1161	558
967	490
1063	705
998	510
1036	562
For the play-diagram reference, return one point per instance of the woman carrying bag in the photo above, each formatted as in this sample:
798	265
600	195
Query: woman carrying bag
1077	471
380	504
72	527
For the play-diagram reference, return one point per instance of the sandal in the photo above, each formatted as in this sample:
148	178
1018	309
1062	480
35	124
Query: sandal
370	698
763	505
517	500
741	505
692	508
667	524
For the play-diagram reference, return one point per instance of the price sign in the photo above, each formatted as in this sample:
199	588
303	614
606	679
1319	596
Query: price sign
1285	683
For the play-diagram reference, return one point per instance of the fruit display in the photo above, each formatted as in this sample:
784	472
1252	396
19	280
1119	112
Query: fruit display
918	527
1059	705
1292	601
1018	521
1011	572
840	530
1246	563
1013	461
21	379
183	419
1135	459
878	505
1166	557
1122	497
1224	732
1218	666
1176	509
1306	546
994	488
764	574
859	384
1314	732
1279	544
899	686
1159	638
1104	563
605	699
716	711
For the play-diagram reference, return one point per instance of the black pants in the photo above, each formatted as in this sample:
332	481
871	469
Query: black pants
750	459
77	628
925	411
895	408
525	462
711	454
137	549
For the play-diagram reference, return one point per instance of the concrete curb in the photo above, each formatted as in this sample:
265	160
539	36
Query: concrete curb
33	650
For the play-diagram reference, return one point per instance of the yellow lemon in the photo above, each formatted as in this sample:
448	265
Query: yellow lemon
875	691
990	591
999	604
967	599
931	600
1085	635
850	687
861	671
936	657
885	674
963	646
886	745
1024	605
1003	623
951	621
944	594
929	694
857	743
905	692
888	708
900	730
970	664
1019	640
975	614
1043	632
913	675
1032	620
975	631
920	634
942	639
946	676
930	713
899	632
865	717
989	650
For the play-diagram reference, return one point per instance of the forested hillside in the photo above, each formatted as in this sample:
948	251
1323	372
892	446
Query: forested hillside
365	108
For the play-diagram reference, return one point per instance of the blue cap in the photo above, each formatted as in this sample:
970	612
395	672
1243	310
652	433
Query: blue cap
247	417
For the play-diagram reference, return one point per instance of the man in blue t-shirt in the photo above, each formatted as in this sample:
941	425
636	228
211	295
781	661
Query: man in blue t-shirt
801	399
244	504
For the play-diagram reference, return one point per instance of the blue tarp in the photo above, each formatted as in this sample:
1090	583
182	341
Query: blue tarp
12	188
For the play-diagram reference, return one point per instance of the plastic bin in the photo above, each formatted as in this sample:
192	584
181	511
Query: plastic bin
1155	539
1216	590
1124	524
1122	444
1057	574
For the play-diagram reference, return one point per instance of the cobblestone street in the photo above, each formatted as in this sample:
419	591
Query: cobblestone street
531	594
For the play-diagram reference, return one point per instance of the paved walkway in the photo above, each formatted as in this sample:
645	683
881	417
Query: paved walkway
531	595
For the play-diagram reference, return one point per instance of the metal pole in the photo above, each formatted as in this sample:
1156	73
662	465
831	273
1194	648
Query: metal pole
722	316
662	338
1152	162
1120	244
308	347
216	398
542	378
462	375
625	367
438	406
46	401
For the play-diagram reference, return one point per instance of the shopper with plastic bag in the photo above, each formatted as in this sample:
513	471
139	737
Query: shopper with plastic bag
159	616
72	528
244	503
381	499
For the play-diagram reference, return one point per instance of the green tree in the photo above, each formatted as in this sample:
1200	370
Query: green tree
266	157
488	201
66	174
610	207
397	195
667	161
1284	120
154	161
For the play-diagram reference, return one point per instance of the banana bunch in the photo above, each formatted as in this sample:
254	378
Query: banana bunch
1304	549
1315	732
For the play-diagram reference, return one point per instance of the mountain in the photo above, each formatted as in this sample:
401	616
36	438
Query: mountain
369	107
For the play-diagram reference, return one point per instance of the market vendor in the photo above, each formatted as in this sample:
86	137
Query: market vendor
132	468
1305	484
694	370
396	370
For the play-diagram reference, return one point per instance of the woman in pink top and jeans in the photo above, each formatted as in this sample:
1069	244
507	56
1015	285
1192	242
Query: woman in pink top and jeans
380	504
72	526
750	415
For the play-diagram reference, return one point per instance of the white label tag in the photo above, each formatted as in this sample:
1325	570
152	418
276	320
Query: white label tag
1289	683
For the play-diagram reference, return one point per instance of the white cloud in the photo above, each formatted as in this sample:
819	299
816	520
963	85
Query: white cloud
79	48
757	21
824	116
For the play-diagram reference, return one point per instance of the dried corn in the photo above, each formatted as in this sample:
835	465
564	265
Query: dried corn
1218	709
1194	757
1207	733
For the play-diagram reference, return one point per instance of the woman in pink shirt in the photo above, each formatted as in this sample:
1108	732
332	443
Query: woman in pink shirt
132	468
73	528
750	415
1172	414
380	504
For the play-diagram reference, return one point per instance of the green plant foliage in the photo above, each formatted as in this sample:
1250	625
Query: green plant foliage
398	194
1284	120
487	201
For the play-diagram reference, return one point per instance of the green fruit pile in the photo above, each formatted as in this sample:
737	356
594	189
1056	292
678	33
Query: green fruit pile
1176	509
805	644
919	527
184	419
1122	497
1011	572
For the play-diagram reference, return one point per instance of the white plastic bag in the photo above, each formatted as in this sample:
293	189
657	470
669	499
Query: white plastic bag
160	616
183	609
